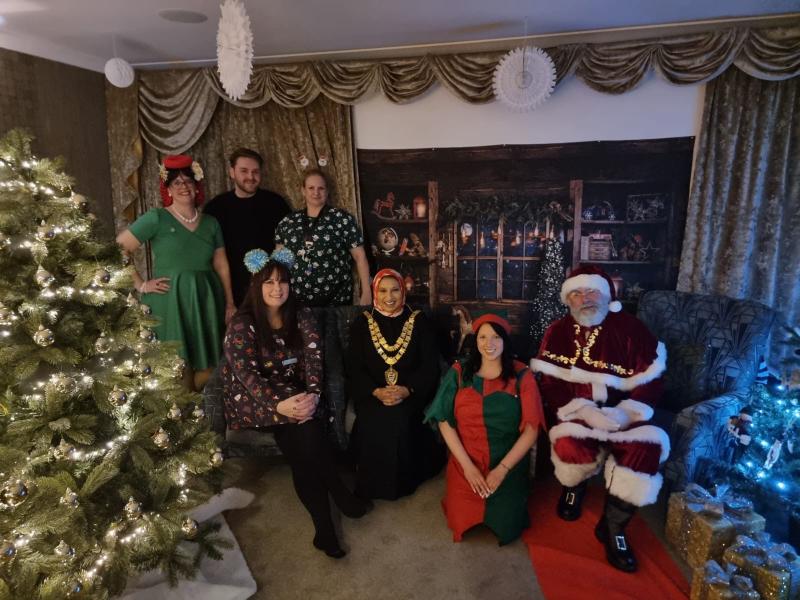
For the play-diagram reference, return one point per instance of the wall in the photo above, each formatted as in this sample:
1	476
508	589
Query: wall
64	108
574	113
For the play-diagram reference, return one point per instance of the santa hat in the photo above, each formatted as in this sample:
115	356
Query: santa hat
591	276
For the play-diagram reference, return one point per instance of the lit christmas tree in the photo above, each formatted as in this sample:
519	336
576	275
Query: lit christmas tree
102	451
764	459
546	306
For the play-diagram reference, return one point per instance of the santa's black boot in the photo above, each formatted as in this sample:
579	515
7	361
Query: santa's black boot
571	502
611	532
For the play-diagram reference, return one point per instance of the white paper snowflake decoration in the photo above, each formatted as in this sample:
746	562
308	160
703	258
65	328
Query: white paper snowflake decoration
524	78
234	49
119	72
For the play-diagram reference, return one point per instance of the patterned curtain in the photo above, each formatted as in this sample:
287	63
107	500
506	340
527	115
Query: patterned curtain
742	234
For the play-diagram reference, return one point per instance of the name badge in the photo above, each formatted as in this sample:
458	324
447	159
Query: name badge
289	361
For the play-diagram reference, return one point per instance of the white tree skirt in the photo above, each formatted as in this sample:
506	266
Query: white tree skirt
226	579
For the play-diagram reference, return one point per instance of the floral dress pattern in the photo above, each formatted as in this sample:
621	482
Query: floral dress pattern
256	380
322	275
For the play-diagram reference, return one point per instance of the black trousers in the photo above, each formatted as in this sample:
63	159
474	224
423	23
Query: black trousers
314	474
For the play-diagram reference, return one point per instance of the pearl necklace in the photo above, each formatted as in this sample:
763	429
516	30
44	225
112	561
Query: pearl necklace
178	214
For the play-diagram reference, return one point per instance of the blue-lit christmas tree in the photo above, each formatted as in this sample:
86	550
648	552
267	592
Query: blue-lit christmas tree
764	459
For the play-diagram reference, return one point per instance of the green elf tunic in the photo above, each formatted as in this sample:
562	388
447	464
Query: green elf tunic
192	311
489	415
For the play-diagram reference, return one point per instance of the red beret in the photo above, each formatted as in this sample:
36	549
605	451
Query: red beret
491	318
178	161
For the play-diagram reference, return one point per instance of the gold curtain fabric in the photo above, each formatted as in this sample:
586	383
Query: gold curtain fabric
176	107
743	217
281	135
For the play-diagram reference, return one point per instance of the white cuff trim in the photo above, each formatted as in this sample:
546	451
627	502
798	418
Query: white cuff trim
567	412
640	489
626	384
637	411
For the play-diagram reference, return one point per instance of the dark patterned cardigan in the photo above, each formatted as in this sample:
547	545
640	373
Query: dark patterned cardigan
255	380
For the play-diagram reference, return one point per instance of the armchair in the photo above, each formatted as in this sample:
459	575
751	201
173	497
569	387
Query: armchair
714	344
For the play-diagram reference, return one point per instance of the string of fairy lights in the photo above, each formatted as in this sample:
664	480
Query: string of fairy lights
132	524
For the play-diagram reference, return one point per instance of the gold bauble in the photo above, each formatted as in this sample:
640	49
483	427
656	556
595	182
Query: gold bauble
131	300
79	202
43	336
6	315
146	310
63	450
178	367
147	334
198	413
45	232
64	383
144	369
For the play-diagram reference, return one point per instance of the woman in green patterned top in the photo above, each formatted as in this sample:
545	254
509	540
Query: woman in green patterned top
191	285
326	242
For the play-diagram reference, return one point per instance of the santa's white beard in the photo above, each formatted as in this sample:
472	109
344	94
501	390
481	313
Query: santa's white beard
587	317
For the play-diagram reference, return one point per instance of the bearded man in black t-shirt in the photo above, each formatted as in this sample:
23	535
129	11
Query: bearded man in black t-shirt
247	215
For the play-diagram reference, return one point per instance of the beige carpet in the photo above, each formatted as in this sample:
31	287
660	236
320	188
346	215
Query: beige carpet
400	551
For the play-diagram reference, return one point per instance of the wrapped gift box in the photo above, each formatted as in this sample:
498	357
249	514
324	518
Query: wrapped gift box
713	582
774	568
701	525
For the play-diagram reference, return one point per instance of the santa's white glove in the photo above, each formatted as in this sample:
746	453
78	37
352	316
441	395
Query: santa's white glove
619	415
596	418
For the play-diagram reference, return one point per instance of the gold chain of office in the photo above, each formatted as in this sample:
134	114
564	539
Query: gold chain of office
383	347
582	352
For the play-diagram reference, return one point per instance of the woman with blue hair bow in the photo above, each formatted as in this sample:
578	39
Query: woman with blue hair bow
272	378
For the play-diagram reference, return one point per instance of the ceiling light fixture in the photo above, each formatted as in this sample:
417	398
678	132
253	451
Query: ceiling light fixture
119	71
177	15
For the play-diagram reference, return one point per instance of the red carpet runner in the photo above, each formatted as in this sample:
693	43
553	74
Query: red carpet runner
570	563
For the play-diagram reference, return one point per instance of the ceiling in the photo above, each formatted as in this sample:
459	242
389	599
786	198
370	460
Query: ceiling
86	33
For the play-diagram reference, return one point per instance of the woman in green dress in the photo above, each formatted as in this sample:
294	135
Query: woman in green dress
191	286
489	413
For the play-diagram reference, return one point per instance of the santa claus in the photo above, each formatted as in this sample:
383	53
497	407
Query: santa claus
601	376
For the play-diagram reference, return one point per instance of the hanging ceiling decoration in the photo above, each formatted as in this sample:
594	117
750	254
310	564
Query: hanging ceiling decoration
234	49
119	72
524	78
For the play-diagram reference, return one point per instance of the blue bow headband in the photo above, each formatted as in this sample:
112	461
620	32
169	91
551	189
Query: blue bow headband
255	260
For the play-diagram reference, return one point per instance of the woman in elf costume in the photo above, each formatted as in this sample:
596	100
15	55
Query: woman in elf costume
489	412
393	369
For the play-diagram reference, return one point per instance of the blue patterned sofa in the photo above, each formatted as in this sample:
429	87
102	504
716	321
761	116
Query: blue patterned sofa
714	344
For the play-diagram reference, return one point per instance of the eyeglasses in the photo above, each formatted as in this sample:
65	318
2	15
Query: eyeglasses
179	182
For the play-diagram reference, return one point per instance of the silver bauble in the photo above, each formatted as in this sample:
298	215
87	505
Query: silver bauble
216	457
43	277
144	369
174	413
64	550
5	242
178	367
64	383
6	315
7	549
79	202
133	510
117	397
102	344
45	232
146	310
198	413
147	334
69	498
14	493
101	277
43	336
132	301
189	528
161	438
63	450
